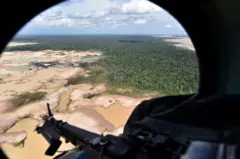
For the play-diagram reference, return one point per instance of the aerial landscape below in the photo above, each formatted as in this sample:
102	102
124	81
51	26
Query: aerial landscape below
92	82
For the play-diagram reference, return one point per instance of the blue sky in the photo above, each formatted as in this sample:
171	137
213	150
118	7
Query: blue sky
103	17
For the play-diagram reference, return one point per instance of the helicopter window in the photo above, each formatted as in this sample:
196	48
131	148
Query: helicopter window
83	57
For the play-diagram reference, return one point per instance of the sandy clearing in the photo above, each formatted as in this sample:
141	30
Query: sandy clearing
84	90
64	100
7	120
82	112
15	83
5	106
69	72
12	137
5	71
9	55
25	57
182	42
115	132
35	110
52	87
33	80
86	118
115	114
107	100
80	89
81	103
20	43
83	87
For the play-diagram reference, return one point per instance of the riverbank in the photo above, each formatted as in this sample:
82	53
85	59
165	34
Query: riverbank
26	90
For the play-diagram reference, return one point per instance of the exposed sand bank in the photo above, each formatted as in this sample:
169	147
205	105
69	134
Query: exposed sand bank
11	44
85	105
185	43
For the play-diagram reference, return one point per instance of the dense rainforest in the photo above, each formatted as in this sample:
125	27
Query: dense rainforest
141	62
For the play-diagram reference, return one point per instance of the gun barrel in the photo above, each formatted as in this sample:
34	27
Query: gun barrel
71	133
117	147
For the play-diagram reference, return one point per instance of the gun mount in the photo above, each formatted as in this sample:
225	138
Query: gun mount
128	145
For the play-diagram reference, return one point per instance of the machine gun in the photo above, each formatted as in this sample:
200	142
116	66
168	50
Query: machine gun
131	145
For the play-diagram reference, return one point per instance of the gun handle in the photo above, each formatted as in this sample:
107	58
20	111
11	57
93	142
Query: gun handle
52	149
54	142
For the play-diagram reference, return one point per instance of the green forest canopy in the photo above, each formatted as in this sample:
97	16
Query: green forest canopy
142	62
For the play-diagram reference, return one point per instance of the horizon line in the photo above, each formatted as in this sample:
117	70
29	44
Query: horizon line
98	34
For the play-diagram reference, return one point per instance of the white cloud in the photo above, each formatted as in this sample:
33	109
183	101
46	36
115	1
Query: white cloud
140	6
65	22
107	14
85	6
140	21
117	25
80	13
83	23
101	13
62	22
168	26
74	1
108	19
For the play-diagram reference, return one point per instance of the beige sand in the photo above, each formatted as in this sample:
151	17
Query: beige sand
64	100
115	114
107	100
104	111
20	43
182	42
12	137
